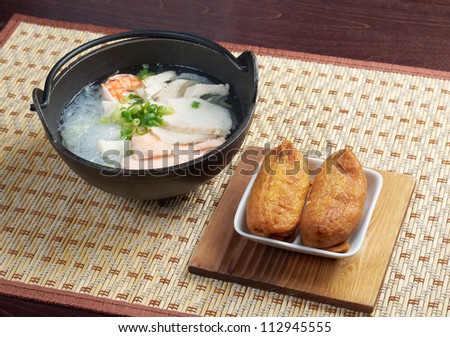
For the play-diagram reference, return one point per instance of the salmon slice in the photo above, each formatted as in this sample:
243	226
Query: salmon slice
173	137
134	163
149	146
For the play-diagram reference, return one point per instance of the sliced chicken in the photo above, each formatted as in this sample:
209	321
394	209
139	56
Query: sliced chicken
198	116
173	89
199	90
154	84
194	77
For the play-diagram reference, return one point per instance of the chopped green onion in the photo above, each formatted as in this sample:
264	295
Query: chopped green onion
169	110
103	120
144	73
154	107
135	98
195	104
135	109
141	130
126	133
162	110
148	118
139	116
126	114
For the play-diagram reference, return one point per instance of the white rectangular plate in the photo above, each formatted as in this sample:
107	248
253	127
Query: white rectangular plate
374	184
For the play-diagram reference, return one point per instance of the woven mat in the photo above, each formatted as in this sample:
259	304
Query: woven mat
58	232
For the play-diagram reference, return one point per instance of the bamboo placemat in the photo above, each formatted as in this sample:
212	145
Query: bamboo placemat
59	233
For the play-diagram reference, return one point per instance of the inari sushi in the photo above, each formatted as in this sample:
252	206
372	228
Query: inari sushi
277	197
335	203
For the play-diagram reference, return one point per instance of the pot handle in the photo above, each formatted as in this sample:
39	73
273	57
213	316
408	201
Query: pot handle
130	35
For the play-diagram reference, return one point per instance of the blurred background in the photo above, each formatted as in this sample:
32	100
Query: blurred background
414	33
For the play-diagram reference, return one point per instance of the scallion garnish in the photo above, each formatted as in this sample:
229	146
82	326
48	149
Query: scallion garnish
195	104
104	120
141	130
144	73
135	98
139	116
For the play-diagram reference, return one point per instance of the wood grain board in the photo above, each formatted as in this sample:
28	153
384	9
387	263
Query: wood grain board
352	283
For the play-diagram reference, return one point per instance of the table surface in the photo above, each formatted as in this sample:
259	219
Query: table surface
412	33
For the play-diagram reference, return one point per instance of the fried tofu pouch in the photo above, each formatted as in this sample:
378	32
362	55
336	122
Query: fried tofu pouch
278	195
335	203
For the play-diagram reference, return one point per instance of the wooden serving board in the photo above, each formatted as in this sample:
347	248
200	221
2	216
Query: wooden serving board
352	283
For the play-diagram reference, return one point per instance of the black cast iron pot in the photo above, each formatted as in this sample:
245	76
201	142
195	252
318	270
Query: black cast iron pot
121	51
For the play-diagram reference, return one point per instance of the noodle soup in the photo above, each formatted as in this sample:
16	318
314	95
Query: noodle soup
149	118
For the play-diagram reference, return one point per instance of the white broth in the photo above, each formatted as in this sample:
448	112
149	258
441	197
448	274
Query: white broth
142	121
